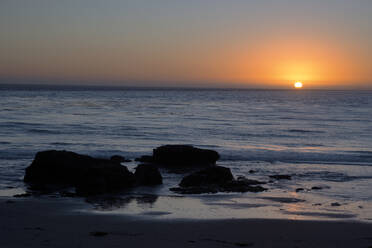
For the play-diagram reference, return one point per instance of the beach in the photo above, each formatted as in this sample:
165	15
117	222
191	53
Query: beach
36	222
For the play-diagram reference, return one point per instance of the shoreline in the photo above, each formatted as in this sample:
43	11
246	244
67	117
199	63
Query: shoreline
38	222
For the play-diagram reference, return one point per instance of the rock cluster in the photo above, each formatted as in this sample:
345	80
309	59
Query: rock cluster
216	179
87	174
92	176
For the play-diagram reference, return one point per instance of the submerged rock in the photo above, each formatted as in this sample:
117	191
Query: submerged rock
281	177
181	156
216	179
145	159
316	188
335	204
119	159
196	190
243	185
148	174
87	174
299	189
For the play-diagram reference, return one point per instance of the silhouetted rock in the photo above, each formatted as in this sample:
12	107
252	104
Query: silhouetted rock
335	204
211	189
145	159
216	175
89	175
316	188
216	179
119	159
280	177
148	174
176	156
184	155
98	233
299	189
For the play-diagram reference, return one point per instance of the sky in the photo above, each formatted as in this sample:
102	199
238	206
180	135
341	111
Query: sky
254	44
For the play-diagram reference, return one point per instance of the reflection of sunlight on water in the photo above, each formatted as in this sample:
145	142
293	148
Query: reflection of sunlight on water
294	208
268	205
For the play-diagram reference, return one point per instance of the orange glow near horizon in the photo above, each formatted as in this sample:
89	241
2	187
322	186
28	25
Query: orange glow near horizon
265	62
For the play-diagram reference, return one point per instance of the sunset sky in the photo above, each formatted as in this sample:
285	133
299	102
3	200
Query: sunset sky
258	44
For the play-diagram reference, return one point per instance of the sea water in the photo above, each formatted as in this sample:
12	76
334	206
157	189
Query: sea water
321	138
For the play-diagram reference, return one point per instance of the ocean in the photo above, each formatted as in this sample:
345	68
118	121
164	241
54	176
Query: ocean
321	138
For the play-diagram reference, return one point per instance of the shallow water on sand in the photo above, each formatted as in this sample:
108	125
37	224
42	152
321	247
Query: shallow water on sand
321	138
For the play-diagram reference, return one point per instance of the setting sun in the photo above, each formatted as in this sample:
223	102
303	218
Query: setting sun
298	85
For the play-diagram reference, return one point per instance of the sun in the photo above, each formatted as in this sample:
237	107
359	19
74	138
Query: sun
298	85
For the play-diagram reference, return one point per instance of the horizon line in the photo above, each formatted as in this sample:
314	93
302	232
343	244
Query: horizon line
157	87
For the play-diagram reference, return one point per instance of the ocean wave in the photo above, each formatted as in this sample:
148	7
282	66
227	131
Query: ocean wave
295	156
304	131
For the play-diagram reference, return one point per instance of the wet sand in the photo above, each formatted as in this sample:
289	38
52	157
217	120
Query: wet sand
38	222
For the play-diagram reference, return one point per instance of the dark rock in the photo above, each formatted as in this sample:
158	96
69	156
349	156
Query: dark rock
146	199
252	171
335	204
299	189
184	155
145	159
147	174
280	177
316	188
216	175
119	159
98	234
89	175
242	186
216	179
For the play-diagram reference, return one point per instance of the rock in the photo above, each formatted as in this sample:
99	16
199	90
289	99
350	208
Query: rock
280	177
216	179
252	171
335	204
216	175
145	159
147	174
316	188
242	186
184	155
98	233
119	159
87	174
299	189
196	190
